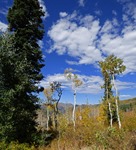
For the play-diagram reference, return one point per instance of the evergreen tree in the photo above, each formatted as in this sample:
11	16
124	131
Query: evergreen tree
7	77
26	27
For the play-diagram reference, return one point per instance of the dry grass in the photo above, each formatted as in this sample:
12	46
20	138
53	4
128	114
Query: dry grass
91	134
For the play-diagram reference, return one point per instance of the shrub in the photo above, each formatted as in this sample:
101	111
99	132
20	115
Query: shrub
15	146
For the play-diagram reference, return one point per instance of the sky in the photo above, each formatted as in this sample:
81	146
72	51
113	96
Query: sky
79	34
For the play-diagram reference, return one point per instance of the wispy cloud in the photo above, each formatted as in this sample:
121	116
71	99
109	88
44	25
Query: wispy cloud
91	84
129	9
125	85
125	96
3	27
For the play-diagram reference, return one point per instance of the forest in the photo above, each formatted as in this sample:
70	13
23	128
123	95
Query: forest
26	124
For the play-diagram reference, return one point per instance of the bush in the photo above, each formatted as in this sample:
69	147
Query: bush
15	146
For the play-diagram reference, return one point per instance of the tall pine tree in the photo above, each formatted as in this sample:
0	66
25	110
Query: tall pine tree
25	24
8	67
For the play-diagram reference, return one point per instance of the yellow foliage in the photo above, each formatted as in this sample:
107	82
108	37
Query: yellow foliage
129	120
15	146
48	93
102	118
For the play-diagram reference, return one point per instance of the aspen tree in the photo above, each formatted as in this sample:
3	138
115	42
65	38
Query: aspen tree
48	94
56	88
107	89
76	82
52	102
113	66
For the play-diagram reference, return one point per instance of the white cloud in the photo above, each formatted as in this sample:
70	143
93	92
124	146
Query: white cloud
125	85
72	70
63	14
91	84
81	3
86	40
42	4
56	77
3	26
129	9
76	40
71	62
123	46
125	96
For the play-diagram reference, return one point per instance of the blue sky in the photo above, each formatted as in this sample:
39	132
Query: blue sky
78	34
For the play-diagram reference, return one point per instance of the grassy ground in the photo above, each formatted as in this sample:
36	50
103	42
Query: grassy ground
91	133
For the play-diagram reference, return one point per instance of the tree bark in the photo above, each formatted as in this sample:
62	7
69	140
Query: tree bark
111	119
116	102
74	108
47	119
109	106
56	115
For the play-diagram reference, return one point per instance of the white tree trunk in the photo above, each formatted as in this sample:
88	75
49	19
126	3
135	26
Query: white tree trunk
116	102
109	106
47	119
74	108
111	119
